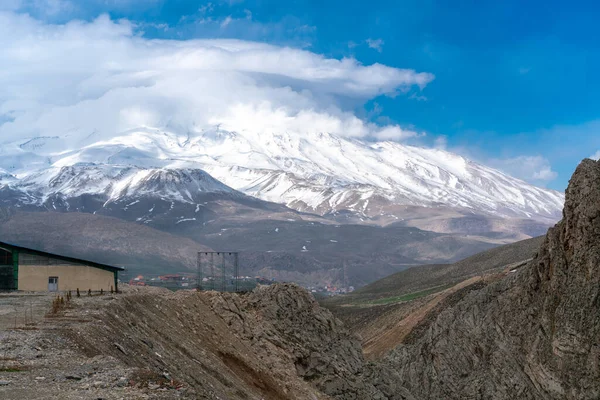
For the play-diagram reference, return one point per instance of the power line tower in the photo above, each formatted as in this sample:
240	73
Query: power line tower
225	264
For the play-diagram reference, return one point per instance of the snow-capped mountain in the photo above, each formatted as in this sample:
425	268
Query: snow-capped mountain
156	196
116	182
318	173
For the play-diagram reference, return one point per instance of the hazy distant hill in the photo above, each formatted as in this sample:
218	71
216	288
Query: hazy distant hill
101	239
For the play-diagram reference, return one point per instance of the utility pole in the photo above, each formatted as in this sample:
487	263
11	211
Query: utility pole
212	270
199	276
345	273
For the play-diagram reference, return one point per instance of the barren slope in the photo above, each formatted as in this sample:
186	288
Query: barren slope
101	239
519	331
275	343
426	276
533	334
388	303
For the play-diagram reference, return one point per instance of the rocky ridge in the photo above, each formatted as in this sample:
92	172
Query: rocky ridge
273	343
531	335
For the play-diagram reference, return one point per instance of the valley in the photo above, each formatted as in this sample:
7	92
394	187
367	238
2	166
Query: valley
385	312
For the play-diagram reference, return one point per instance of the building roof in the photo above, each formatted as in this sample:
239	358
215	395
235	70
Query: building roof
59	257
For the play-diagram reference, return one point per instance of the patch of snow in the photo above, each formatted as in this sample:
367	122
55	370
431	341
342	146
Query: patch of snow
185	220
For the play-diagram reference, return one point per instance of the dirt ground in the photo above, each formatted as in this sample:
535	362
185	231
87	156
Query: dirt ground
22	309
37	361
150	343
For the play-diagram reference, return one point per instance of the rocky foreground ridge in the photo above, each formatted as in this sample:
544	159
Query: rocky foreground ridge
274	343
150	343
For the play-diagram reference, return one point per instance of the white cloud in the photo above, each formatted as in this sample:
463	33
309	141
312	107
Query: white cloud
417	97
595	156
226	21
395	132
544	174
376	44
101	77
535	169
54	7
206	8
441	142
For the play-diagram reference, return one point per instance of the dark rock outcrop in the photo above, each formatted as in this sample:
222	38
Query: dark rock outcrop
287	328
532	335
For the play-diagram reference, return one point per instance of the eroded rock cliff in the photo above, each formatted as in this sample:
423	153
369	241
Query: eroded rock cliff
532	335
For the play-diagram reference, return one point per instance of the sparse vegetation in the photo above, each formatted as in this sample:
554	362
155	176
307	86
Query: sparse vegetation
412	282
410	296
13	369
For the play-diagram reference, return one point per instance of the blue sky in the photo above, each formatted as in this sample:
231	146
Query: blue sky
516	83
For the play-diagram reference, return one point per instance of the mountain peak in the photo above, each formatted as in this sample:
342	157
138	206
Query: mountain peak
119	181
572	247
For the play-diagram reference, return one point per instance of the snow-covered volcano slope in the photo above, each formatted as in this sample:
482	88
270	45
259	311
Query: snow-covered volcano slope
160	197
320	173
122	181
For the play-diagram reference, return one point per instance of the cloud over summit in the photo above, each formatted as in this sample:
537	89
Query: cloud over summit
101	76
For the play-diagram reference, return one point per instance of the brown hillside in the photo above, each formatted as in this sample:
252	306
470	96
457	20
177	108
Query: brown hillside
101	239
533	334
